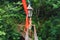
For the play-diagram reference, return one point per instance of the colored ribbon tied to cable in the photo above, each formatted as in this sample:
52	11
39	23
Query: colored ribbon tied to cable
26	11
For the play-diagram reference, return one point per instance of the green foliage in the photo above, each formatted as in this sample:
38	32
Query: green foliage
46	17
10	17
2	33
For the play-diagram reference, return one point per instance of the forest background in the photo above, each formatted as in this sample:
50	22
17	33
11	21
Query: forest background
46	17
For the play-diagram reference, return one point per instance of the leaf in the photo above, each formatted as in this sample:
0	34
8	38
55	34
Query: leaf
2	33
55	6
1	26
2	10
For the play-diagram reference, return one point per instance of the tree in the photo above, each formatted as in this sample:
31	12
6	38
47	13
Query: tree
46	13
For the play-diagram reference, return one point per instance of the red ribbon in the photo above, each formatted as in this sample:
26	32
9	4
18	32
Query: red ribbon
26	11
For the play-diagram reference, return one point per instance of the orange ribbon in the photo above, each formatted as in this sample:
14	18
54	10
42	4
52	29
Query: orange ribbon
26	11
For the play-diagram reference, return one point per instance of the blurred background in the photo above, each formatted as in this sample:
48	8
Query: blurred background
46	17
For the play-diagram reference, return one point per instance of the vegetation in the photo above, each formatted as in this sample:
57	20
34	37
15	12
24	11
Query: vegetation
46	13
